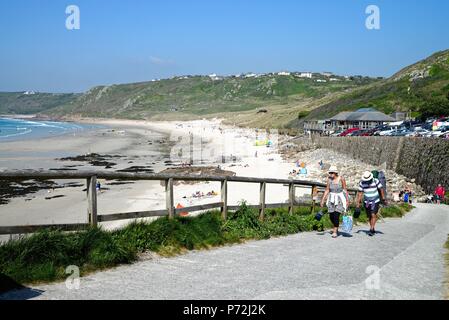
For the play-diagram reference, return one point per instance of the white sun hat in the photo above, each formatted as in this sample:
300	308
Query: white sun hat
333	169
367	176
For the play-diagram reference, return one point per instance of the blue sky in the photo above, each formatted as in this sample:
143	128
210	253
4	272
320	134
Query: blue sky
136	40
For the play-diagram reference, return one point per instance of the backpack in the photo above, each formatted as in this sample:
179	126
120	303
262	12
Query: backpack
383	180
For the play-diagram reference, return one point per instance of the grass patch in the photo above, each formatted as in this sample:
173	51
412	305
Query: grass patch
43	256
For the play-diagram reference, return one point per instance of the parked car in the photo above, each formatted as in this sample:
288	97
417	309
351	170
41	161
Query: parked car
336	133
387	132
440	131
363	133
370	132
378	130
400	133
348	132
419	133
357	133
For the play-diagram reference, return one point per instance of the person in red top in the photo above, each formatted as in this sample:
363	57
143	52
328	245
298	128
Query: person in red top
439	193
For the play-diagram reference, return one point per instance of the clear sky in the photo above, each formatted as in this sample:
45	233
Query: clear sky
123	41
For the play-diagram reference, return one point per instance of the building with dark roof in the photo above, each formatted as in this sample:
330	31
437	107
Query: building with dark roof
365	118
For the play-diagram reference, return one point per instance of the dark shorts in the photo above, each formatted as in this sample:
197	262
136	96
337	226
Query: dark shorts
372	208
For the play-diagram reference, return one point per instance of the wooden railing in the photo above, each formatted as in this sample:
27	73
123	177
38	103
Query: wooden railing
93	218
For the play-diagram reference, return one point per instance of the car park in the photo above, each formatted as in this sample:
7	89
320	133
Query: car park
409	128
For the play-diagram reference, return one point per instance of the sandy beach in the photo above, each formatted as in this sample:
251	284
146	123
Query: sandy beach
147	146
142	146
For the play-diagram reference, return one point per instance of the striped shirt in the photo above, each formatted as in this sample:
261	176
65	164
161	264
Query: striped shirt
370	190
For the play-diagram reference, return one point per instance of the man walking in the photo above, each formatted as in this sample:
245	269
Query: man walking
440	193
371	191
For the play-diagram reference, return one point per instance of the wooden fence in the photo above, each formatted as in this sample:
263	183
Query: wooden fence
93	218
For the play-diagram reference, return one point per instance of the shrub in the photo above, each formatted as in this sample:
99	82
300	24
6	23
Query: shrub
303	114
44	255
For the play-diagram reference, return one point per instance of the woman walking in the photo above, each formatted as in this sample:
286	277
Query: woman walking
336	198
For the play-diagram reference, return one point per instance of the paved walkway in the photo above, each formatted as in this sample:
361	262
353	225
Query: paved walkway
404	261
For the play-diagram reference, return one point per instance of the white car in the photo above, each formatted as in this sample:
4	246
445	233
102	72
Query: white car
419	133
387	132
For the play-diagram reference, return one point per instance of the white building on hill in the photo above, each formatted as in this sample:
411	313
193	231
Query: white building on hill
250	75
308	75
214	77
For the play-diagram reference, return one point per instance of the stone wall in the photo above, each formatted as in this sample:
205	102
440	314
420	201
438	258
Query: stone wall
424	160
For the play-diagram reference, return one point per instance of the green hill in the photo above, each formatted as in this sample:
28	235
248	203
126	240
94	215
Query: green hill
202	96
20	103
422	88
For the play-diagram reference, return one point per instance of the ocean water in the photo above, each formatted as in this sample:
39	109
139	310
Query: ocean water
16	129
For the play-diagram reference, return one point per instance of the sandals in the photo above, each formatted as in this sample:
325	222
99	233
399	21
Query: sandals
334	235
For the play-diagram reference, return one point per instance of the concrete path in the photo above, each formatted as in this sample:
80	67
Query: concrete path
404	261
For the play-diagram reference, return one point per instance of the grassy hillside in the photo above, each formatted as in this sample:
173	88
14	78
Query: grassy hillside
270	100
20	103
201	96
422	88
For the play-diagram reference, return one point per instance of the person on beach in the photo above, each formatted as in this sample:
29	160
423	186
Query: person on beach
336	198
440	193
372	193
409	193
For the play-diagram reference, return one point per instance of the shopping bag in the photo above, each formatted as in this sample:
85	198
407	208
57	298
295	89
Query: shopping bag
347	223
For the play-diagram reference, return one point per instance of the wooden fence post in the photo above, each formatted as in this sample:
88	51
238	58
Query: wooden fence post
92	201
169	198
314	194
291	197
263	187
224	199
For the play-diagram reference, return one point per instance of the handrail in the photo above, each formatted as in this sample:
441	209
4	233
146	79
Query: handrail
84	174
91	177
